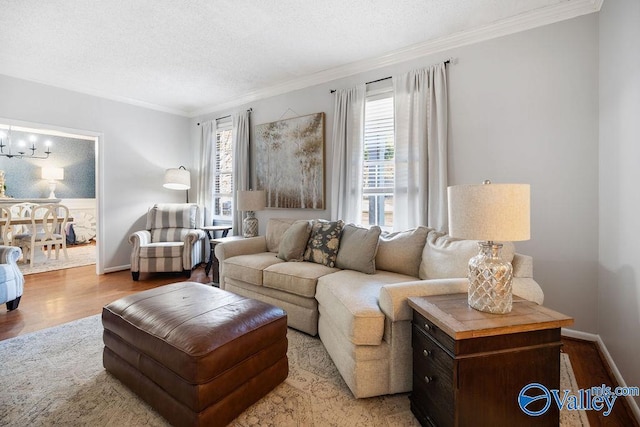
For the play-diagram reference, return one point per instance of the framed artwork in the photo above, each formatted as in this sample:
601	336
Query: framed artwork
289	159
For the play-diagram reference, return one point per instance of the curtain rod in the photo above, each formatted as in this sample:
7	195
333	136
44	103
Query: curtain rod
229	115
448	61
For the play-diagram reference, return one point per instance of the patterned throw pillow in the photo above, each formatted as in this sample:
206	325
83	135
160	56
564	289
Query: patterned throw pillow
324	242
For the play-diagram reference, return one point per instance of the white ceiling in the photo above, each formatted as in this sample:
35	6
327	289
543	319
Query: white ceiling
198	56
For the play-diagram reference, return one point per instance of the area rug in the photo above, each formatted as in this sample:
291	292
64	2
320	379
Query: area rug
55	377
79	255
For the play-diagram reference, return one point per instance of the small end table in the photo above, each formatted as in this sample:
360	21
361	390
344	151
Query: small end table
211	232
469	366
215	266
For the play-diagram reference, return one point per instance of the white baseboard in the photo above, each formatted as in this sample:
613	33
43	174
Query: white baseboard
117	268
571	333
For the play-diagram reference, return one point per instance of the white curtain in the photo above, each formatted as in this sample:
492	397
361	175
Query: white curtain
348	128
241	165
421	121
207	165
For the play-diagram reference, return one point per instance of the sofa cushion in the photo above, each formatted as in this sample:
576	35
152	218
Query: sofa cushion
401	252
275	230
248	268
350	298
294	241
358	248
298	278
446	257
324	242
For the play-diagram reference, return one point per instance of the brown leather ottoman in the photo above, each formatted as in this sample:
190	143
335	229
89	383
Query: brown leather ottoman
197	354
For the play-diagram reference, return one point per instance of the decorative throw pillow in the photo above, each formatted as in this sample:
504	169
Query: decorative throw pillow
324	242
358	247
445	257
275	230
294	241
401	252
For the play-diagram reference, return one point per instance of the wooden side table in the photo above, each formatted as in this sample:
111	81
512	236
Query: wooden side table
211	232
214	261
469	366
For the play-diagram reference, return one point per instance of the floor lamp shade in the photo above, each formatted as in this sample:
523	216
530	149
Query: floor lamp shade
490	213
178	179
250	201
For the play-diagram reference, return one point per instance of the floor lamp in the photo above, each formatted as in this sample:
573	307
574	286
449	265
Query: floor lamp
178	179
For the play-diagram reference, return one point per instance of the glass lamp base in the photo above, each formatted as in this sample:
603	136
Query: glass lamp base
490	280
250	225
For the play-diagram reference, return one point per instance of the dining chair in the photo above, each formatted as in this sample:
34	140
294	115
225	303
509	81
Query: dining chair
46	229
19	211
5	225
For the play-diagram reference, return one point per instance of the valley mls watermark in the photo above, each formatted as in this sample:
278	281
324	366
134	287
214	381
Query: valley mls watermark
598	398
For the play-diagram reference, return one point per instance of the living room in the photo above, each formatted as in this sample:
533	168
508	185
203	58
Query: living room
549	105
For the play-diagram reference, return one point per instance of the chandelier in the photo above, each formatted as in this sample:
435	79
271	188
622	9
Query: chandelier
20	151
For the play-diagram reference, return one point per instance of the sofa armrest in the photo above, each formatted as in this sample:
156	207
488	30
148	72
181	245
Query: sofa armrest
393	297
522	265
251	245
529	289
9	254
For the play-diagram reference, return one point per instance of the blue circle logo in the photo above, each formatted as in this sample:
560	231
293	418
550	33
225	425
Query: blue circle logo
531	393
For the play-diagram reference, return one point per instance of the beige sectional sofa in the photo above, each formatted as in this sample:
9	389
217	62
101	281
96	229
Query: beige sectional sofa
363	319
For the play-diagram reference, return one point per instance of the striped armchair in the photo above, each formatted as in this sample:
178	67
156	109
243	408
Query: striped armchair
172	240
11	278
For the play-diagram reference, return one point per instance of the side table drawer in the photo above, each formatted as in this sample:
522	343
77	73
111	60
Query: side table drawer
427	327
433	370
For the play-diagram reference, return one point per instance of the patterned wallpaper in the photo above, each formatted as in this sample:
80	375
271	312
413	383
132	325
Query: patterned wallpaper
23	177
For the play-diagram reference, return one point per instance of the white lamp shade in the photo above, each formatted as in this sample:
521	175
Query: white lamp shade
177	179
249	200
490	212
53	174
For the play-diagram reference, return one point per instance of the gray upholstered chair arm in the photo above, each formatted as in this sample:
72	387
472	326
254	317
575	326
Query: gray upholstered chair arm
140	238
193	236
9	254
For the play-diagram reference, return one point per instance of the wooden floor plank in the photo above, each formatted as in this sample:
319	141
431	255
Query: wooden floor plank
58	297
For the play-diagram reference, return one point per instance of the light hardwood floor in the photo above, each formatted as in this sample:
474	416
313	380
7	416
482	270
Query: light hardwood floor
58	297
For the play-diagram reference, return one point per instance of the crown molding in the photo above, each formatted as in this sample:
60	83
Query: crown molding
537	18
98	94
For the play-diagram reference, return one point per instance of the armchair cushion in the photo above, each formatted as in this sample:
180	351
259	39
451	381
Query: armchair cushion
173	215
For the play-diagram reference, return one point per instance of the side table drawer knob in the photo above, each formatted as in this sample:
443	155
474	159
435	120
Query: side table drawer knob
426	352
427	327
428	379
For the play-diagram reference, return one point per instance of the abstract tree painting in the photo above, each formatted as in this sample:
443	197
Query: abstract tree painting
290	162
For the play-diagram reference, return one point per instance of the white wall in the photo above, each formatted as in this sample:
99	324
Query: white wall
619	259
137	145
523	108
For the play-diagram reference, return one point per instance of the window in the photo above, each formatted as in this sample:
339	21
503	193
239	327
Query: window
223	178
379	153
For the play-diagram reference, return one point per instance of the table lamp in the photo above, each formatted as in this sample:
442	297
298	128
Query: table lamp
52	175
250	201
490	213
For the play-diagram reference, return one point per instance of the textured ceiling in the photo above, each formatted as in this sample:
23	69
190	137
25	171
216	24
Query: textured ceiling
193	56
